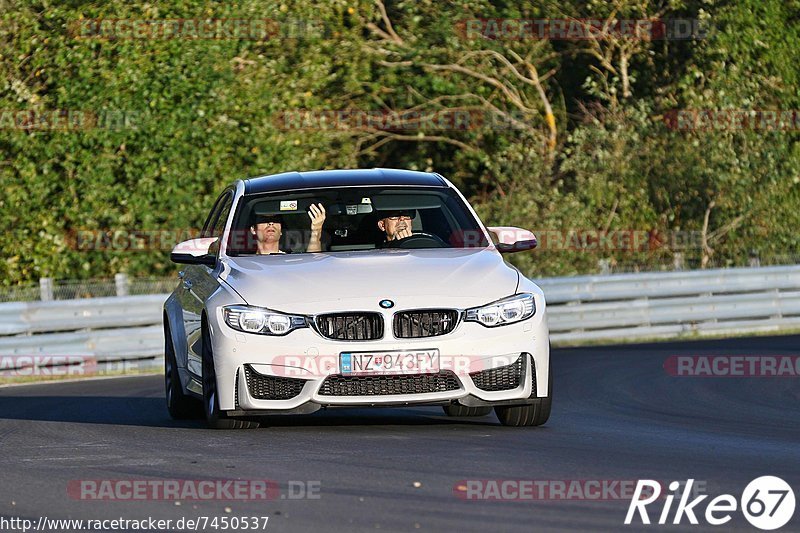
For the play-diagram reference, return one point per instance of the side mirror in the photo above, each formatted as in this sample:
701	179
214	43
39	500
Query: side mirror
510	239
196	252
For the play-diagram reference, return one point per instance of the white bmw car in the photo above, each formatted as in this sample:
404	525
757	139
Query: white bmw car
349	288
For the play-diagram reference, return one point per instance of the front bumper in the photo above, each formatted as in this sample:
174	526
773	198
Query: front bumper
516	382
301	367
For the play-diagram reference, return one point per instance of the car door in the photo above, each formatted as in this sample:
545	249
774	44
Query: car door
200	282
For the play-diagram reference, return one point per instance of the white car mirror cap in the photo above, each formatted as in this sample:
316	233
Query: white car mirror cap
194	247
512	239
195	251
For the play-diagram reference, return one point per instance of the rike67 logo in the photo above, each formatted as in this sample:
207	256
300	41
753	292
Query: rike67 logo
767	503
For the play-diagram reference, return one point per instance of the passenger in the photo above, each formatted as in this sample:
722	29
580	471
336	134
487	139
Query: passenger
267	231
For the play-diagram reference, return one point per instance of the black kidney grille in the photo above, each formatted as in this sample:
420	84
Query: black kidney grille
502	378
424	323
351	326
264	387
384	385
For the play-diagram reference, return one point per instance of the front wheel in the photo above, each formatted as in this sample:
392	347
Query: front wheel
215	418
528	415
463	410
180	405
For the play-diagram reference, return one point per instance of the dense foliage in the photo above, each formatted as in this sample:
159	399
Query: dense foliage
572	138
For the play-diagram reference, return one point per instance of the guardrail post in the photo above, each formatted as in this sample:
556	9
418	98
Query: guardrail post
755	260
121	281
677	261
46	289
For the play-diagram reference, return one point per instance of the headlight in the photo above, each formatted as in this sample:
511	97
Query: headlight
261	321
506	311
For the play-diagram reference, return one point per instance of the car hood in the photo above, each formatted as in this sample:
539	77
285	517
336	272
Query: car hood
324	282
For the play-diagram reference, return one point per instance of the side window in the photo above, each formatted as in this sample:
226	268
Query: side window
215	222
222	216
207	227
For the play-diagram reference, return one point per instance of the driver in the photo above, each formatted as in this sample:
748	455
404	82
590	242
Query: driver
396	225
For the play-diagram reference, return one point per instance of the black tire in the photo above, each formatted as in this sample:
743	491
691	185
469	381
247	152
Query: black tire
180	405
215	418
463	410
528	415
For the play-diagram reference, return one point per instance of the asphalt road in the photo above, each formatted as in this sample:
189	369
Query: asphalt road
617	415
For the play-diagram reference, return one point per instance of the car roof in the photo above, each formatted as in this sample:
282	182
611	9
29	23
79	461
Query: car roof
341	178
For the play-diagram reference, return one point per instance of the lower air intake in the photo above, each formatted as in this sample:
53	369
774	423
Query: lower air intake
263	387
502	378
386	385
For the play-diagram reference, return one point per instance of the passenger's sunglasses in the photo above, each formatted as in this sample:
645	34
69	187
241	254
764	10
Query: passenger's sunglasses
269	220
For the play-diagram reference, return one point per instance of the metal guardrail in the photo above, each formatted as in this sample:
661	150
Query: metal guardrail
580	309
673	304
85	313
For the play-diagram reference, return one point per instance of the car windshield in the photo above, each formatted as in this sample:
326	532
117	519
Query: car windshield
356	218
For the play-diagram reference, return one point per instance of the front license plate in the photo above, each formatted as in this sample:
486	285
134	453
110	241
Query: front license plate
394	362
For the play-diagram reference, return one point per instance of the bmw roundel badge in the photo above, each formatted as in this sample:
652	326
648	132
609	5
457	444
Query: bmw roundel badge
386	304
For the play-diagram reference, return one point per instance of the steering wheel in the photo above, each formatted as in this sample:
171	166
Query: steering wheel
419	239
